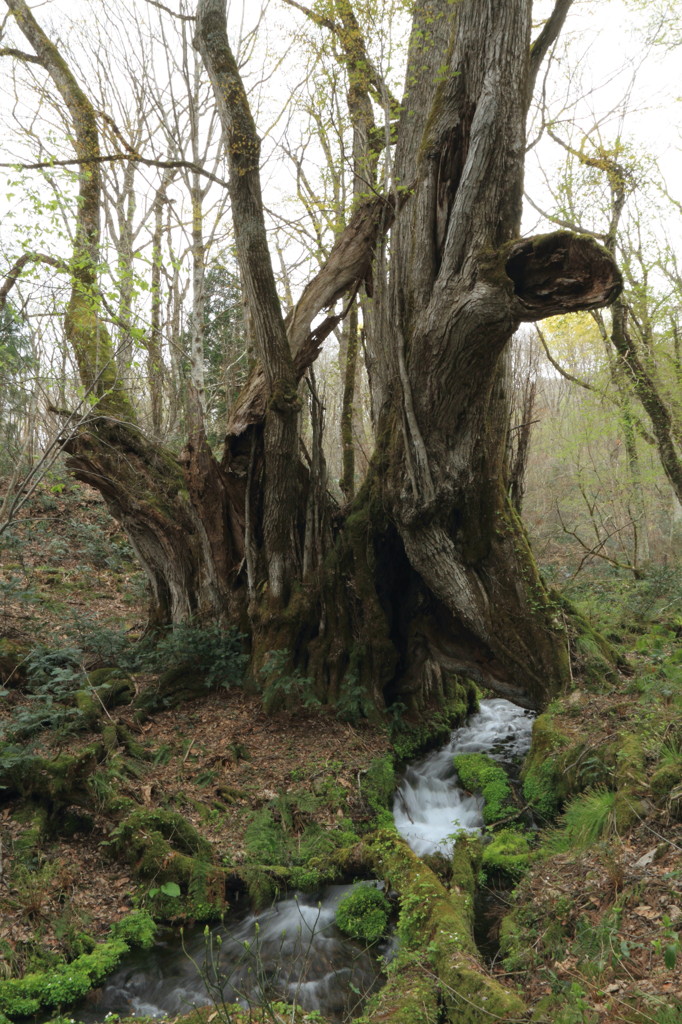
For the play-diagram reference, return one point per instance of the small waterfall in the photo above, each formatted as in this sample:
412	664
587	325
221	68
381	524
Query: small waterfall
429	806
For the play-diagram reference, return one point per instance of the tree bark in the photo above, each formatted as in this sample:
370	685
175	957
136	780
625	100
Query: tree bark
459	285
428	573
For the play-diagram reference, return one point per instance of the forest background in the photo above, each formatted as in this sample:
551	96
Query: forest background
592	450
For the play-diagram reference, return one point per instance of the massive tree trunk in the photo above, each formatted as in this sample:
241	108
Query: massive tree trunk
429	574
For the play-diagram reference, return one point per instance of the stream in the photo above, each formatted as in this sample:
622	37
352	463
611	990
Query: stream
429	806
293	951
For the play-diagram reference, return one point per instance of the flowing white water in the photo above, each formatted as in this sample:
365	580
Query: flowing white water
429	806
292	951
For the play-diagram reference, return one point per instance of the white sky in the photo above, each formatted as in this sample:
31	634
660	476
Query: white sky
606	45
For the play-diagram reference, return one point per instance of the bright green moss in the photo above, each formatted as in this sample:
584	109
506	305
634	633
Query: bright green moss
479	773
22	997
508	854
363	914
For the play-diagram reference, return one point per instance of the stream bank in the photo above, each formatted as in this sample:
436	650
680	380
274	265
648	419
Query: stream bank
294	951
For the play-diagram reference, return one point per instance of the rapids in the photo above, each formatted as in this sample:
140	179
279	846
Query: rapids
429	806
291	952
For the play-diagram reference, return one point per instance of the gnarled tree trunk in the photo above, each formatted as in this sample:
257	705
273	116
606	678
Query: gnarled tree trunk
428	573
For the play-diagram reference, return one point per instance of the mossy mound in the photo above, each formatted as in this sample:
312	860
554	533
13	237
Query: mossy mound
363	914
109	688
481	774
283	849
563	763
162	846
507	855
67	982
54	782
175	686
666	787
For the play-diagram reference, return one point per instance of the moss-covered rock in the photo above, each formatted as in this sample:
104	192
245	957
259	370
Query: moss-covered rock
481	774
66	983
507	855
434	927
363	914
143	825
544	784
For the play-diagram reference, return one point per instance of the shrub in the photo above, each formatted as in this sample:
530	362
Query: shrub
363	913
215	653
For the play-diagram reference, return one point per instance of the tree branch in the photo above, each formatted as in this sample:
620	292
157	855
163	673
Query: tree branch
29	58
560	369
27	257
112	157
567	224
560	273
355	56
174	14
548	36
319	19
347	266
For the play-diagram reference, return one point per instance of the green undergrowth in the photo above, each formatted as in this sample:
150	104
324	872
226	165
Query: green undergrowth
604	778
284	850
68	982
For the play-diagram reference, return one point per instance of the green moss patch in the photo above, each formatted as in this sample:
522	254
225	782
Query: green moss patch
363	914
507	854
480	774
64	984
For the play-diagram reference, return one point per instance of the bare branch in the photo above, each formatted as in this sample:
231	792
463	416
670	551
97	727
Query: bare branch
112	157
319	19
558	367
27	257
174	14
547	37
569	225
